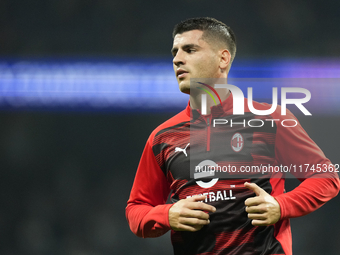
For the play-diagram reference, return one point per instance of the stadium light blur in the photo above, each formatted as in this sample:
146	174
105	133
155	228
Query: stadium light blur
140	84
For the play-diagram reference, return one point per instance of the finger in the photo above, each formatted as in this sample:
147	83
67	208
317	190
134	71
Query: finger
253	186
194	221
259	223
191	228
256	209
188	213
201	206
257	216
253	201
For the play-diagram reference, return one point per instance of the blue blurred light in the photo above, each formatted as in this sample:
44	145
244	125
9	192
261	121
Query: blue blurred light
129	84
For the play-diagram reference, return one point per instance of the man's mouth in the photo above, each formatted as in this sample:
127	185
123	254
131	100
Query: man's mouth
181	73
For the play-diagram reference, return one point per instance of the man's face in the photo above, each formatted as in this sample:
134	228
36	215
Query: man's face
193	58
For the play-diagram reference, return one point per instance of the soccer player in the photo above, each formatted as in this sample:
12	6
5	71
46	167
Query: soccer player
248	215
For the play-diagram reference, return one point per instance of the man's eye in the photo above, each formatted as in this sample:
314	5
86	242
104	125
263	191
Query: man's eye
191	50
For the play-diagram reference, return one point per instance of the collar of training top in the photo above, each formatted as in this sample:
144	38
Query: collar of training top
216	111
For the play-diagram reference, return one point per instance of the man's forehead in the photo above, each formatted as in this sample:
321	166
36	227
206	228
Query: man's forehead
192	36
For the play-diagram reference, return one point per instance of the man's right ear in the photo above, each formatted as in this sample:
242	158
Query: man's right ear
225	59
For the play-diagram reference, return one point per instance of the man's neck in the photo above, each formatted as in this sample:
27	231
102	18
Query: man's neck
196	99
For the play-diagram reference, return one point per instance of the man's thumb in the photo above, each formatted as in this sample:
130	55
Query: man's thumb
196	198
253	186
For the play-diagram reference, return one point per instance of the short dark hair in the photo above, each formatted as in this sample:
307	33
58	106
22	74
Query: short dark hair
213	30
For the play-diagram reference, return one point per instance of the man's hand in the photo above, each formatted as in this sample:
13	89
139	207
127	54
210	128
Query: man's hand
263	209
188	214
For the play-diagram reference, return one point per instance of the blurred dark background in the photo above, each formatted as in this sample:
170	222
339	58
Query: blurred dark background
65	175
87	27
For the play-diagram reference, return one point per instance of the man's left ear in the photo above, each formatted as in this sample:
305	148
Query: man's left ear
225	59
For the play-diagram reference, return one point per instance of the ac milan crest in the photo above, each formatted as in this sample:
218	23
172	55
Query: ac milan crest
237	142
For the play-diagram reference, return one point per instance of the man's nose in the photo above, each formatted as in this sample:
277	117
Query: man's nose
178	60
